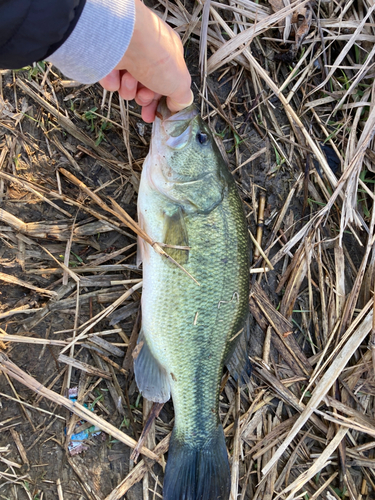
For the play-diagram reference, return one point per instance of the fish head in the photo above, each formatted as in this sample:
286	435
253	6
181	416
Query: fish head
185	163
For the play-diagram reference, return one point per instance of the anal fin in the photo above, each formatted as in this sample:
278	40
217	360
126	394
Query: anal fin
238	364
151	378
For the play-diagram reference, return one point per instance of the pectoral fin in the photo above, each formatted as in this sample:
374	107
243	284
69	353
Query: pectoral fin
175	234
151	378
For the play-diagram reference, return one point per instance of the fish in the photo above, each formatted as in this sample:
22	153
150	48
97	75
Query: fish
188	201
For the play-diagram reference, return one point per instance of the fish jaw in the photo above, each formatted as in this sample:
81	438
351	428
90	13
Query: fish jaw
172	129
170	133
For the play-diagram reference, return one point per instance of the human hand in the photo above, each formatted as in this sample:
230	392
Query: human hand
152	66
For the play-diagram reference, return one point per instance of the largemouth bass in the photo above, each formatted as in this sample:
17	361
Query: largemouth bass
187	198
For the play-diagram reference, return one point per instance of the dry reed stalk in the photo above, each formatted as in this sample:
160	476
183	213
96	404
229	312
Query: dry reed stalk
260	224
150	412
121	214
20	447
299	266
91	370
330	285
11	369
235	470
4	337
16	281
261	251
25	185
31	406
318	465
63	120
26	309
286	344
238	43
91	323
137	473
325	384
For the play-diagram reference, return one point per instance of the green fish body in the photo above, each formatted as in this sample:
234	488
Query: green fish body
187	198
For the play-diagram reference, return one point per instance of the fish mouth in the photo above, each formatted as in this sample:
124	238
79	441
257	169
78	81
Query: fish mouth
163	113
174	129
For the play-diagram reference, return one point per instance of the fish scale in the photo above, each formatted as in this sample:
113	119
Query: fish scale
187	328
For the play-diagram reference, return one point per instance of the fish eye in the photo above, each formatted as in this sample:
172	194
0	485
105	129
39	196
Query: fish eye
202	138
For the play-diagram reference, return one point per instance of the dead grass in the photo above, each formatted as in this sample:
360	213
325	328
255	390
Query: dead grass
289	88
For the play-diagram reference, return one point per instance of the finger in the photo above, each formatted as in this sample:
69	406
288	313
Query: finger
181	101
149	111
111	82
128	87
144	96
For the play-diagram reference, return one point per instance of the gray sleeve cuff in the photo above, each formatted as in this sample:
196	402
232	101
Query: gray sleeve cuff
98	41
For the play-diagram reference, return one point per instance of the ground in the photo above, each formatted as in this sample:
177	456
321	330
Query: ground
311	298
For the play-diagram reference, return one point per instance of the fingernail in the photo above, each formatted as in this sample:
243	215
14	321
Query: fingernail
177	106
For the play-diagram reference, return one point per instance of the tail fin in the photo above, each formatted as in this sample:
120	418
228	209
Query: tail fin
197	473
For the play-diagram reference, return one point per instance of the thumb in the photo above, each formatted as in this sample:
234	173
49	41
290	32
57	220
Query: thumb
178	101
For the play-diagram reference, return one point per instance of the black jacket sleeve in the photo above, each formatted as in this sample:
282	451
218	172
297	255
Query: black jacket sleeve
31	30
